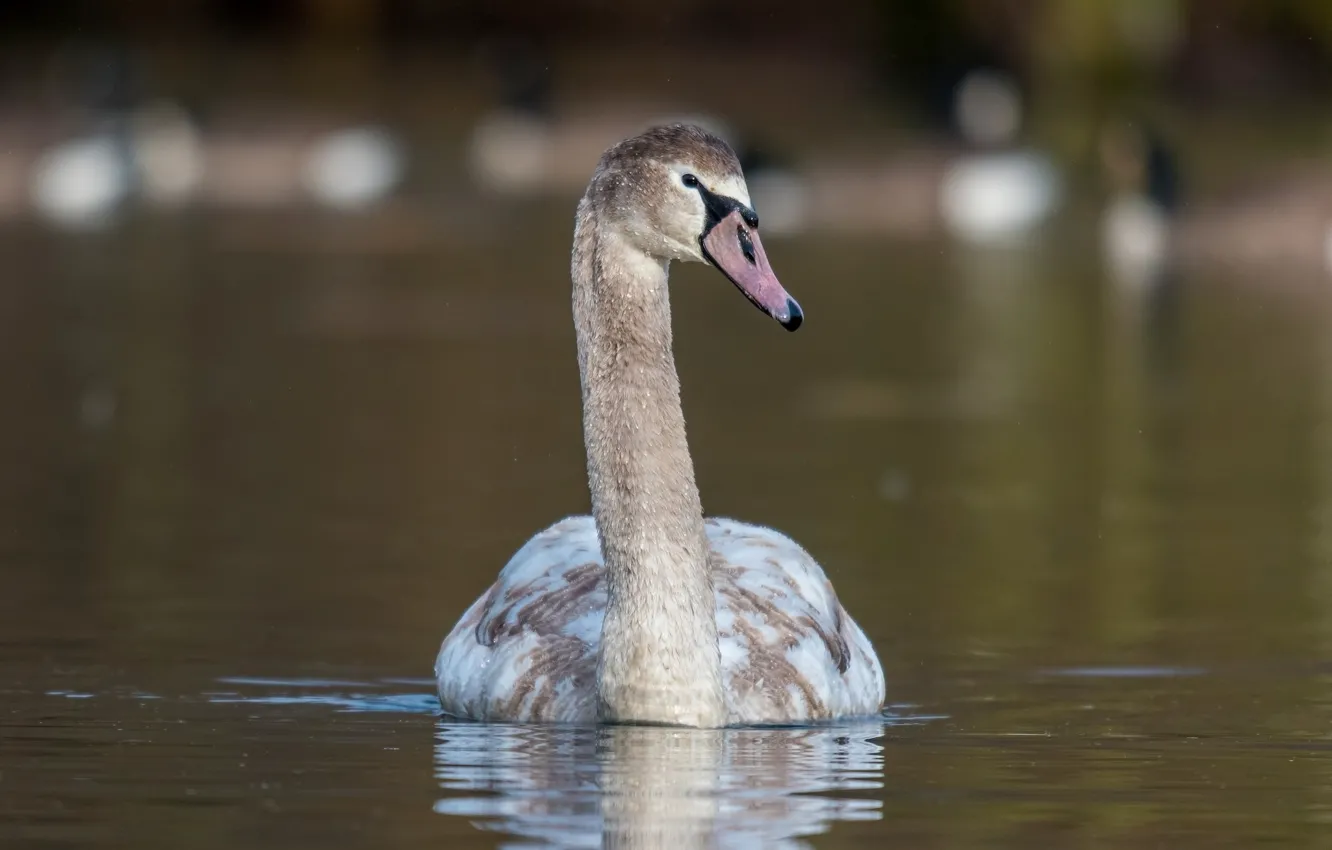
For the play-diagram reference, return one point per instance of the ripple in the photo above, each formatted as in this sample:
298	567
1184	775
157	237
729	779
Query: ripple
341	694
1143	672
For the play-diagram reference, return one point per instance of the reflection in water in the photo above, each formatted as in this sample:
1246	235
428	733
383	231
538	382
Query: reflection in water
631	786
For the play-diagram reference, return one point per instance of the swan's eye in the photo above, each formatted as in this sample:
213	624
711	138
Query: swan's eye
690	181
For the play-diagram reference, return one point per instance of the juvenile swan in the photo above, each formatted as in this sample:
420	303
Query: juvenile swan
645	612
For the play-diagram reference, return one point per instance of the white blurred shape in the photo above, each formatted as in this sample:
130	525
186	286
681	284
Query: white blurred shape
353	168
509	151
997	197
80	183
167	154
1135	233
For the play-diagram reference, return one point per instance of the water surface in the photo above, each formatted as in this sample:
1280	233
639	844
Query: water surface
247	490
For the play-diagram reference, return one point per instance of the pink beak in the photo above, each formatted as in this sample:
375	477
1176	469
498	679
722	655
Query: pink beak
734	247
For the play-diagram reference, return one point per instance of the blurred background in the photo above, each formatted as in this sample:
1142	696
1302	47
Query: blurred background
287	367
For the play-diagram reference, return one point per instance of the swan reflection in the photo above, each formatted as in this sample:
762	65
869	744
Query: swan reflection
639	787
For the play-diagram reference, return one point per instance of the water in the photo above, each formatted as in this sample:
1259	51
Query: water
248	487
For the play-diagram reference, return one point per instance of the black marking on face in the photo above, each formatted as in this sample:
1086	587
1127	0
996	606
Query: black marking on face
747	246
718	207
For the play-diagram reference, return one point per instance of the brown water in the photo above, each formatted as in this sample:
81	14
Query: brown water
247	490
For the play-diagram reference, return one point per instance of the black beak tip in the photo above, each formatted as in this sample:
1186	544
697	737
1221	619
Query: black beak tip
795	317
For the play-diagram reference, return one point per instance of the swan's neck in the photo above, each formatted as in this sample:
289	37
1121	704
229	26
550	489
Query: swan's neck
660	661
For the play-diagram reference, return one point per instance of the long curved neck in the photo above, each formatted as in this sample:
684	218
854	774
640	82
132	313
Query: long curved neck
659	661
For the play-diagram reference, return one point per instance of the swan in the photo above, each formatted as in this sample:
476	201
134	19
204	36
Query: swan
996	194
1283	222
645	612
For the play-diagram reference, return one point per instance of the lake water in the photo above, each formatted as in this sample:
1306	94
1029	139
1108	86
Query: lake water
253	471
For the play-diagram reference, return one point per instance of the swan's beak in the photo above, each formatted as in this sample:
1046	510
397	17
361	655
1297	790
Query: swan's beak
734	247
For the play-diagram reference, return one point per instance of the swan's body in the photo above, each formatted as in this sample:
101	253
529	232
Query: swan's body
528	647
644	612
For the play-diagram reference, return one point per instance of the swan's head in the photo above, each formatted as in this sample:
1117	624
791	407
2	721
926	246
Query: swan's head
677	193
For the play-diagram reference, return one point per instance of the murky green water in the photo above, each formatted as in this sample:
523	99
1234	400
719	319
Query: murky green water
247	490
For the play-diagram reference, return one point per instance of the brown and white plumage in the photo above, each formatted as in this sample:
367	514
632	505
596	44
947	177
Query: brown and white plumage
643	612
527	649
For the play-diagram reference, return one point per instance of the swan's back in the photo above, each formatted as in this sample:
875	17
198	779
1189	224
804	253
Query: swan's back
527	649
